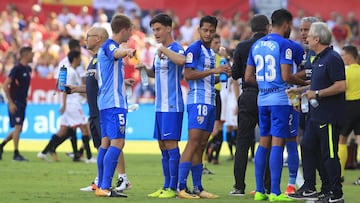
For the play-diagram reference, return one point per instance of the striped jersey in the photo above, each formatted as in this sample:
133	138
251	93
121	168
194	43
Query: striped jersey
110	77
201	58
167	82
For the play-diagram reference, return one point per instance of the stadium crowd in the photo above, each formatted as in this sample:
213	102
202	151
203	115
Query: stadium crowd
48	35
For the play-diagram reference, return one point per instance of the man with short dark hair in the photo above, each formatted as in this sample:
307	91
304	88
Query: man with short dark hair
247	104
16	88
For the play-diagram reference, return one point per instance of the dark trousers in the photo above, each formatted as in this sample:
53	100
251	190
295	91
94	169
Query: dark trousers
319	148
247	119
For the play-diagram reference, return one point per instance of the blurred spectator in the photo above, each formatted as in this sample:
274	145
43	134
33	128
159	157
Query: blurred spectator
300	15
195	21
65	16
148	52
332	21
73	28
84	18
187	31
102	21
353	23
340	30
146	20
145	94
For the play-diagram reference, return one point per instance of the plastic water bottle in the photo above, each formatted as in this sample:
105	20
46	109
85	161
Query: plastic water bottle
304	104
62	78
223	76
144	77
314	103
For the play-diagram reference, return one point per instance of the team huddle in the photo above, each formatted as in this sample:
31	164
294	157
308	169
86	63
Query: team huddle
284	86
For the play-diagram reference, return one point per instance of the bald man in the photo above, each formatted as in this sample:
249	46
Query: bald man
95	37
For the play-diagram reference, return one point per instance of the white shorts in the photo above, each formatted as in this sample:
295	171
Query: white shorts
231	114
73	115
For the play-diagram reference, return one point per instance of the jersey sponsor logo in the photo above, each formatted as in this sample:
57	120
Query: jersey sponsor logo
91	72
112	47
288	54
189	57
200	119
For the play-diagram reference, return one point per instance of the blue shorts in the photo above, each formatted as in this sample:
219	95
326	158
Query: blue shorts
274	120
294	123
168	125
19	116
113	122
201	116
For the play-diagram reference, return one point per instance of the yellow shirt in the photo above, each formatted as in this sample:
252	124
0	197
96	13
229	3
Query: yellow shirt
352	73
217	63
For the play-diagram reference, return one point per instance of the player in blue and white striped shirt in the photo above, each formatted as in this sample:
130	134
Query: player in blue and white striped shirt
169	105
112	102
199	71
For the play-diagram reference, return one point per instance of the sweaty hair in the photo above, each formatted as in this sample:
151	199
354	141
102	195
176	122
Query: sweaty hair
73	55
280	16
119	22
24	50
74	44
352	50
259	23
208	19
163	19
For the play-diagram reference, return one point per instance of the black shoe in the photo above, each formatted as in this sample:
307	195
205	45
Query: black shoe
336	200
323	197
1	151
304	194
109	193
19	158
237	192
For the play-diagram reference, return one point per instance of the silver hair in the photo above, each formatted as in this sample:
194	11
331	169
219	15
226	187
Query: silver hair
321	30
309	19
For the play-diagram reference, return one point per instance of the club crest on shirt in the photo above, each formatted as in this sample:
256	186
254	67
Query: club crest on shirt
288	54
200	119
112	47
122	129
189	57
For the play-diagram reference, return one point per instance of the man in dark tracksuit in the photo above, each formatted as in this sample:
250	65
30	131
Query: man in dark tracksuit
325	119
247	104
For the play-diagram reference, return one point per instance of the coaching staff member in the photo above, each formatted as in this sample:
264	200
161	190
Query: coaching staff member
325	120
247	103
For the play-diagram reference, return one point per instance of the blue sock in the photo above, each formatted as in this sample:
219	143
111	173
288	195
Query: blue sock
110	162
100	165
165	168
174	155
196	172
293	161
260	166
276	165
184	169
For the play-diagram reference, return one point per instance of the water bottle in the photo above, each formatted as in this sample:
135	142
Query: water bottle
314	103
144	77
223	76
62	78
304	104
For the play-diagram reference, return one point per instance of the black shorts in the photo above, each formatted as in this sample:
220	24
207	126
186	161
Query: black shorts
95	131
218	105
19	116
352	121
